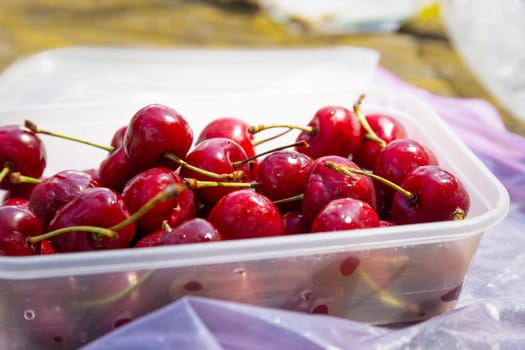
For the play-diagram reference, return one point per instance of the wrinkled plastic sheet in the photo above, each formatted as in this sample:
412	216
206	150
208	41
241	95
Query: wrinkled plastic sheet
490	313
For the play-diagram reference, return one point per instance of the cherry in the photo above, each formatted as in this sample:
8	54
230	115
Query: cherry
117	168
400	157
21	150
54	191
17	201
325	184
118	137
284	174
345	214
246	214
395	162
294	223
100	207
232	128
216	155
16	224
437	195
196	230
144	186
334	131
154	131
386	128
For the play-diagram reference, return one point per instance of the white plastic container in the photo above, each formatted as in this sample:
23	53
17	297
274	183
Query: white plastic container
405	273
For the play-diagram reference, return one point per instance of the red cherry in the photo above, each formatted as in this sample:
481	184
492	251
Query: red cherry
395	162
438	196
284	174
144	186
400	157
118	137
16	224
386	128
154	131
325	184
246	214
21	150
117	168
53	192
196	230
231	128
335	131
345	214
216	155
99	207
294	223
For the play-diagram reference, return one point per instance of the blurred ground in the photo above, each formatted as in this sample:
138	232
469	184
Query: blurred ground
418	53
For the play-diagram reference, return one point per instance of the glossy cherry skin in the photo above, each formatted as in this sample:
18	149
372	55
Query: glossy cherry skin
23	150
246	214
98	206
294	223
118	137
16	224
336	131
395	162
325	185
284	174
400	157
56	190
117	169
196	230
154	131
386	128
147	184
216	155
438	196
232	128
345	214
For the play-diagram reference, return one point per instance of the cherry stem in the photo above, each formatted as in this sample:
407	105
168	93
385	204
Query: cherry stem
34	128
119	295
8	166
343	169
233	176
370	133
459	214
239	163
388	298
18	178
196	184
297	197
254	129
98	233
256	143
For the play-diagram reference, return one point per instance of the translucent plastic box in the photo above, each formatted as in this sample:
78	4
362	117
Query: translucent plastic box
405	273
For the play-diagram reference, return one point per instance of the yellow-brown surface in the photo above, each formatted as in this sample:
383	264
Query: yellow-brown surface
418	53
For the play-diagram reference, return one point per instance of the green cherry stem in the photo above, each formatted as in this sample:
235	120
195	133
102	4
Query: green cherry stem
256	143
254	129
352	171
98	232
34	128
370	133
233	176
119	295
295	198
18	178
244	161
8	166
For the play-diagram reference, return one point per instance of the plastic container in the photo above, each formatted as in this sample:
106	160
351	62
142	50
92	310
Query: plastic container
405	273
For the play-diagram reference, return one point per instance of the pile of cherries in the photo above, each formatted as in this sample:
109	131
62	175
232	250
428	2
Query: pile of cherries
156	186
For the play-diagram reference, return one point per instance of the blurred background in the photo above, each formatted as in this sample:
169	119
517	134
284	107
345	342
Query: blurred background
414	40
